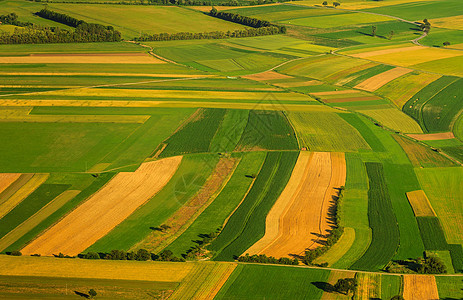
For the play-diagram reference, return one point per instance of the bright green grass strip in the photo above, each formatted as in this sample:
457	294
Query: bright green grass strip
195	136
229	198
185	183
29	206
416	105
365	131
385	232
326	132
401	179
268	130
247	224
274	282
88	186
390	286
449	287
230	131
358	248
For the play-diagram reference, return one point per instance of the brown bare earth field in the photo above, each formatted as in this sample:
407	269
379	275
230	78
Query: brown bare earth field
89	58
377	81
420	204
6	179
432	136
420	287
302	219
108	207
385	51
186	214
352	99
268	75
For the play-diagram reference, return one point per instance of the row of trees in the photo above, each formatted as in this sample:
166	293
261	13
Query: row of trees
140	255
243	20
264	259
248	32
173	2
34	34
335	234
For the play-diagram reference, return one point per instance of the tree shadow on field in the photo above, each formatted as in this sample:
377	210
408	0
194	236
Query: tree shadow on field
82	294
324	286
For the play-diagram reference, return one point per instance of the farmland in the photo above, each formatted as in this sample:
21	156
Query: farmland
148	146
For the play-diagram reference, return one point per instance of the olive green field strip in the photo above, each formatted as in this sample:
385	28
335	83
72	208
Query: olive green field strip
73	234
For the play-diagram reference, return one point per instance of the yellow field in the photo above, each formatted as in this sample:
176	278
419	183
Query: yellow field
432	136
112	204
401	90
84	268
420	287
371	49
135	58
341	247
178	94
420	204
104	74
369	286
6	179
22	193
394	118
205	281
360	4
115	103
386	50
300	214
377	81
415	56
35	219
455	22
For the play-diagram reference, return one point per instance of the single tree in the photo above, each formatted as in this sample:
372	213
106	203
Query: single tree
345	285
391	34
325	3
92	293
446	44
15	253
336	4
373	30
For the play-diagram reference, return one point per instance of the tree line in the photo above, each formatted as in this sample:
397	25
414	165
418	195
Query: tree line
12	19
248	32
243	20
173	2
264	259
35	34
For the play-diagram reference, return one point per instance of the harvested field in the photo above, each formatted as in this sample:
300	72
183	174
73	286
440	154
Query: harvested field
14	187
385	51
83	268
432	136
420	204
268	75
110	58
38	217
455	22
22	193
377	81
205	281
420	287
6	179
422	156
106	209
300	215
369	286
187	214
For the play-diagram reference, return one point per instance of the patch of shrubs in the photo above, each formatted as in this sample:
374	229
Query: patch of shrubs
264	259
429	265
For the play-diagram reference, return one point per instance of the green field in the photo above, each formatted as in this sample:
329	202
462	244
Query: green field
385	238
266	282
